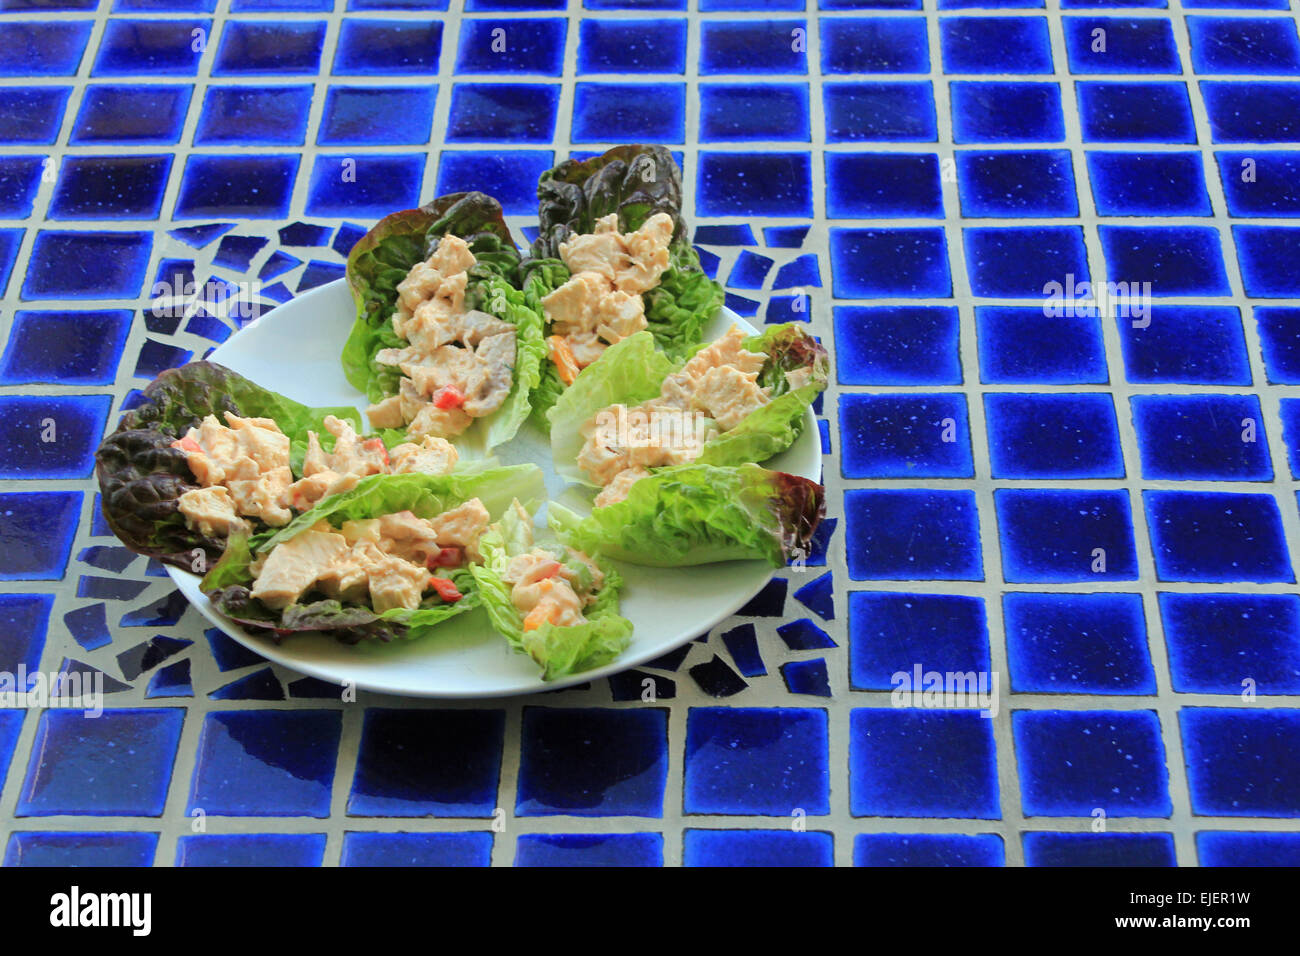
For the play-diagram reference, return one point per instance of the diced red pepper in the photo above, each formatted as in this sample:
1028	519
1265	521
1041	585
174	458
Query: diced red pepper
187	444
446	558
449	396
446	589
376	444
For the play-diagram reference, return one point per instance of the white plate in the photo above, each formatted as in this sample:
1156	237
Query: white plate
294	349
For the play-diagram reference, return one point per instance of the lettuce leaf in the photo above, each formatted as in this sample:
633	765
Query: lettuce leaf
697	514
141	477
557	650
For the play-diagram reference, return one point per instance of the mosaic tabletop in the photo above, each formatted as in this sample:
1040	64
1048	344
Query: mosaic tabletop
1053	247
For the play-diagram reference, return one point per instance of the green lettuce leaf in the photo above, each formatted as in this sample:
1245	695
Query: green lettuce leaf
141	477
697	514
558	651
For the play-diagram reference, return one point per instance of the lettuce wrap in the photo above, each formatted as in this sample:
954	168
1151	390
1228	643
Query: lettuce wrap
141	477
557	650
383	257
697	514
632	372
229	583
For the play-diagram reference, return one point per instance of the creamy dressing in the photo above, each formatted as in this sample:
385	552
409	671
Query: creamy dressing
545	589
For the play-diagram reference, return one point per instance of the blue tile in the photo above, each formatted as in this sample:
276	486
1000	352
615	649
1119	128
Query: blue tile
1121	45
754	184
267	48
1077	644
1267	254
387	47
417	849
1072	763
1135	112
479	6
1235	848
1198	345
266	763
890	263
928	849
502	113
24	623
631	46
1019	345
1004	183
593	762
869	4
753	46
1099	849
39	526
995	45
260	685
1231	643
741	112
897	345
891	634
131	114
714	6
1148	184
757	848
912	535
30	48
10	239
616	4
905	436
281	6
369	186
1201	438
590	849
262	115
157	357
1064	536
631	112
11	724
20	178
1216	536
319	273
356	116
171	681
736	234
909	762
164	6
110	187
47	5
151	47
32	115
119	764
64	849
1024	261
47	436
874	45
716	679
1235	4
1175	260
510	177
249	187
883	186
749	271
398	4
742	645
756	761
1252	112
1053	436
251	849
1244	45
992	4
112	265
1289	413
1260	184
891	112
986	111
798	273
1240	762
414	763
512	46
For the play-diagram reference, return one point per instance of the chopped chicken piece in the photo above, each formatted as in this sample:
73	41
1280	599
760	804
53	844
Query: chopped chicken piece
728	350
439	422
451	256
490	386
305	492
631	262
649	436
261	440
386	414
262	497
541	592
798	377
295	565
394	582
462	526
591	315
350	456
432	456
211	511
408	536
618	488
729	395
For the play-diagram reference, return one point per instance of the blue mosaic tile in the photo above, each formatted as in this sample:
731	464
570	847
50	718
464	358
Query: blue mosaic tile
1034	183
909	762
1077	644
199	236
1252	112
164	612
1232	643
24	621
592	762
32	115
756	761
1235	4
905	436
1233	848
110	187
20	178
383	47
1021	262
260	685
41	349
1242	45
1006	112
87	265
897	345
874	45
590	849
118	764
281	6
883	186
893	112
894	633
1216	536
1198	345
39	527
417	849
264	115
804	635
1148	184
1135	112
757	848
818	595
1065	536
398	4
1000	45
717	679
1289	413
912	535
369	186
1240	763
742	645
928	849
157	357
265	763
1266	256
44	49
251	849
753	184
360	116
1176	260
64	849
785	237
1260	184
1099	849
638	685
631	46
171	681
736	112
44	436
508	177
131	114
1053	436
151	47
799	273
267	48
633	112
250	187
502	113
534	46
1123	45
753	46
1201	437
1019	345
892	263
